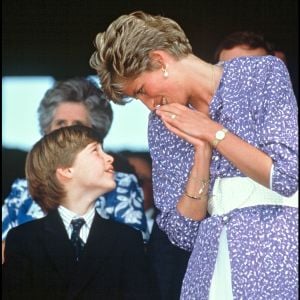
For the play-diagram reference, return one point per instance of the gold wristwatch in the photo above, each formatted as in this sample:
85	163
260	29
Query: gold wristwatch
220	135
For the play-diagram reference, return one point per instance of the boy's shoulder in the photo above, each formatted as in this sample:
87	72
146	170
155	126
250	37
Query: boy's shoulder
121	229
26	231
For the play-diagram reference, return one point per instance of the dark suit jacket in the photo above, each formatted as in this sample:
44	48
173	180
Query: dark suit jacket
40	262
169	264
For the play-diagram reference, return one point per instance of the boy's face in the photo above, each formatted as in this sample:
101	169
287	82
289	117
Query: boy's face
93	169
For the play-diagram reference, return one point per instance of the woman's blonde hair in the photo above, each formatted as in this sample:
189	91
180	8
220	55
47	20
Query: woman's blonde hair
123	49
57	149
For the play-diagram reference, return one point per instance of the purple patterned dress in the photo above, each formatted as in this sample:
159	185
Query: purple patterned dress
255	101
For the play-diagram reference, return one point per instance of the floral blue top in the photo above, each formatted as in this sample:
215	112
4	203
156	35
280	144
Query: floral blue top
256	102
124	204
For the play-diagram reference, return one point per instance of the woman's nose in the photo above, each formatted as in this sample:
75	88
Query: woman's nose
149	102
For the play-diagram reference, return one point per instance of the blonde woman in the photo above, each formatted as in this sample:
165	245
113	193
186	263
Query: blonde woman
223	140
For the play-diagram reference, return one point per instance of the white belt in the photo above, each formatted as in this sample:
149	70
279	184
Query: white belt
239	192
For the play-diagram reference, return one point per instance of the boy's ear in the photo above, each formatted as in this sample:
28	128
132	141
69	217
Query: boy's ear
64	173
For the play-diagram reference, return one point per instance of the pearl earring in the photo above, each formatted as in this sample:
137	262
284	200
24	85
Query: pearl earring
166	74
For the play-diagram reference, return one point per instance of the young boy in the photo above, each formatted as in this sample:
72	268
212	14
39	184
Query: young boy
57	258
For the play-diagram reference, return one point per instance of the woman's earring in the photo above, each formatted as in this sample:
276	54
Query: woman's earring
166	74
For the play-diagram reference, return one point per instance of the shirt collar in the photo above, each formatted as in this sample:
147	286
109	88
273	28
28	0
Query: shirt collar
68	215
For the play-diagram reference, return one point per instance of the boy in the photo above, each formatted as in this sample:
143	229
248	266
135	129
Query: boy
57	258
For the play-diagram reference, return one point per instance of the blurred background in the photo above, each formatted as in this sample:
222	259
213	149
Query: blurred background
43	41
56	37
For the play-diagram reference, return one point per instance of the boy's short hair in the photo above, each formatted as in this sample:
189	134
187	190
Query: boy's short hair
57	149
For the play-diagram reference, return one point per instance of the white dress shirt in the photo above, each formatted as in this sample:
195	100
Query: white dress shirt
68	215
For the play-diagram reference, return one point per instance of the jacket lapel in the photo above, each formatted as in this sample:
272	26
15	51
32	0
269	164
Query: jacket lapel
58	245
100	240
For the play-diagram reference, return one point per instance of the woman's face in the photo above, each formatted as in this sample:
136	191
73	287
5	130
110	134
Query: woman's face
70	113
153	88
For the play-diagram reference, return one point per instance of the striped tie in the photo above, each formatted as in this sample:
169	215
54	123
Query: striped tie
75	238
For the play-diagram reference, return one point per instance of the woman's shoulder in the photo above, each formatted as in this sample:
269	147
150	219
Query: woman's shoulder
20	183
19	193
253	71
249	63
125	179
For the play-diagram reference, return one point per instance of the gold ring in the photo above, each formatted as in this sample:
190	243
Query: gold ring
173	116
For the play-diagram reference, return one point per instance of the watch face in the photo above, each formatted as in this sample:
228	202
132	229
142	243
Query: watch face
220	135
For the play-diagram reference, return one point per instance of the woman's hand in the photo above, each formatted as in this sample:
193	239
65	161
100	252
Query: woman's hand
191	125
196	127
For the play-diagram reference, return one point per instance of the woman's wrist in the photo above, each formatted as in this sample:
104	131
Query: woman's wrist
197	188
203	153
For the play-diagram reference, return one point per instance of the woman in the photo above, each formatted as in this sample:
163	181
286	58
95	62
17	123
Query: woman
243	116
